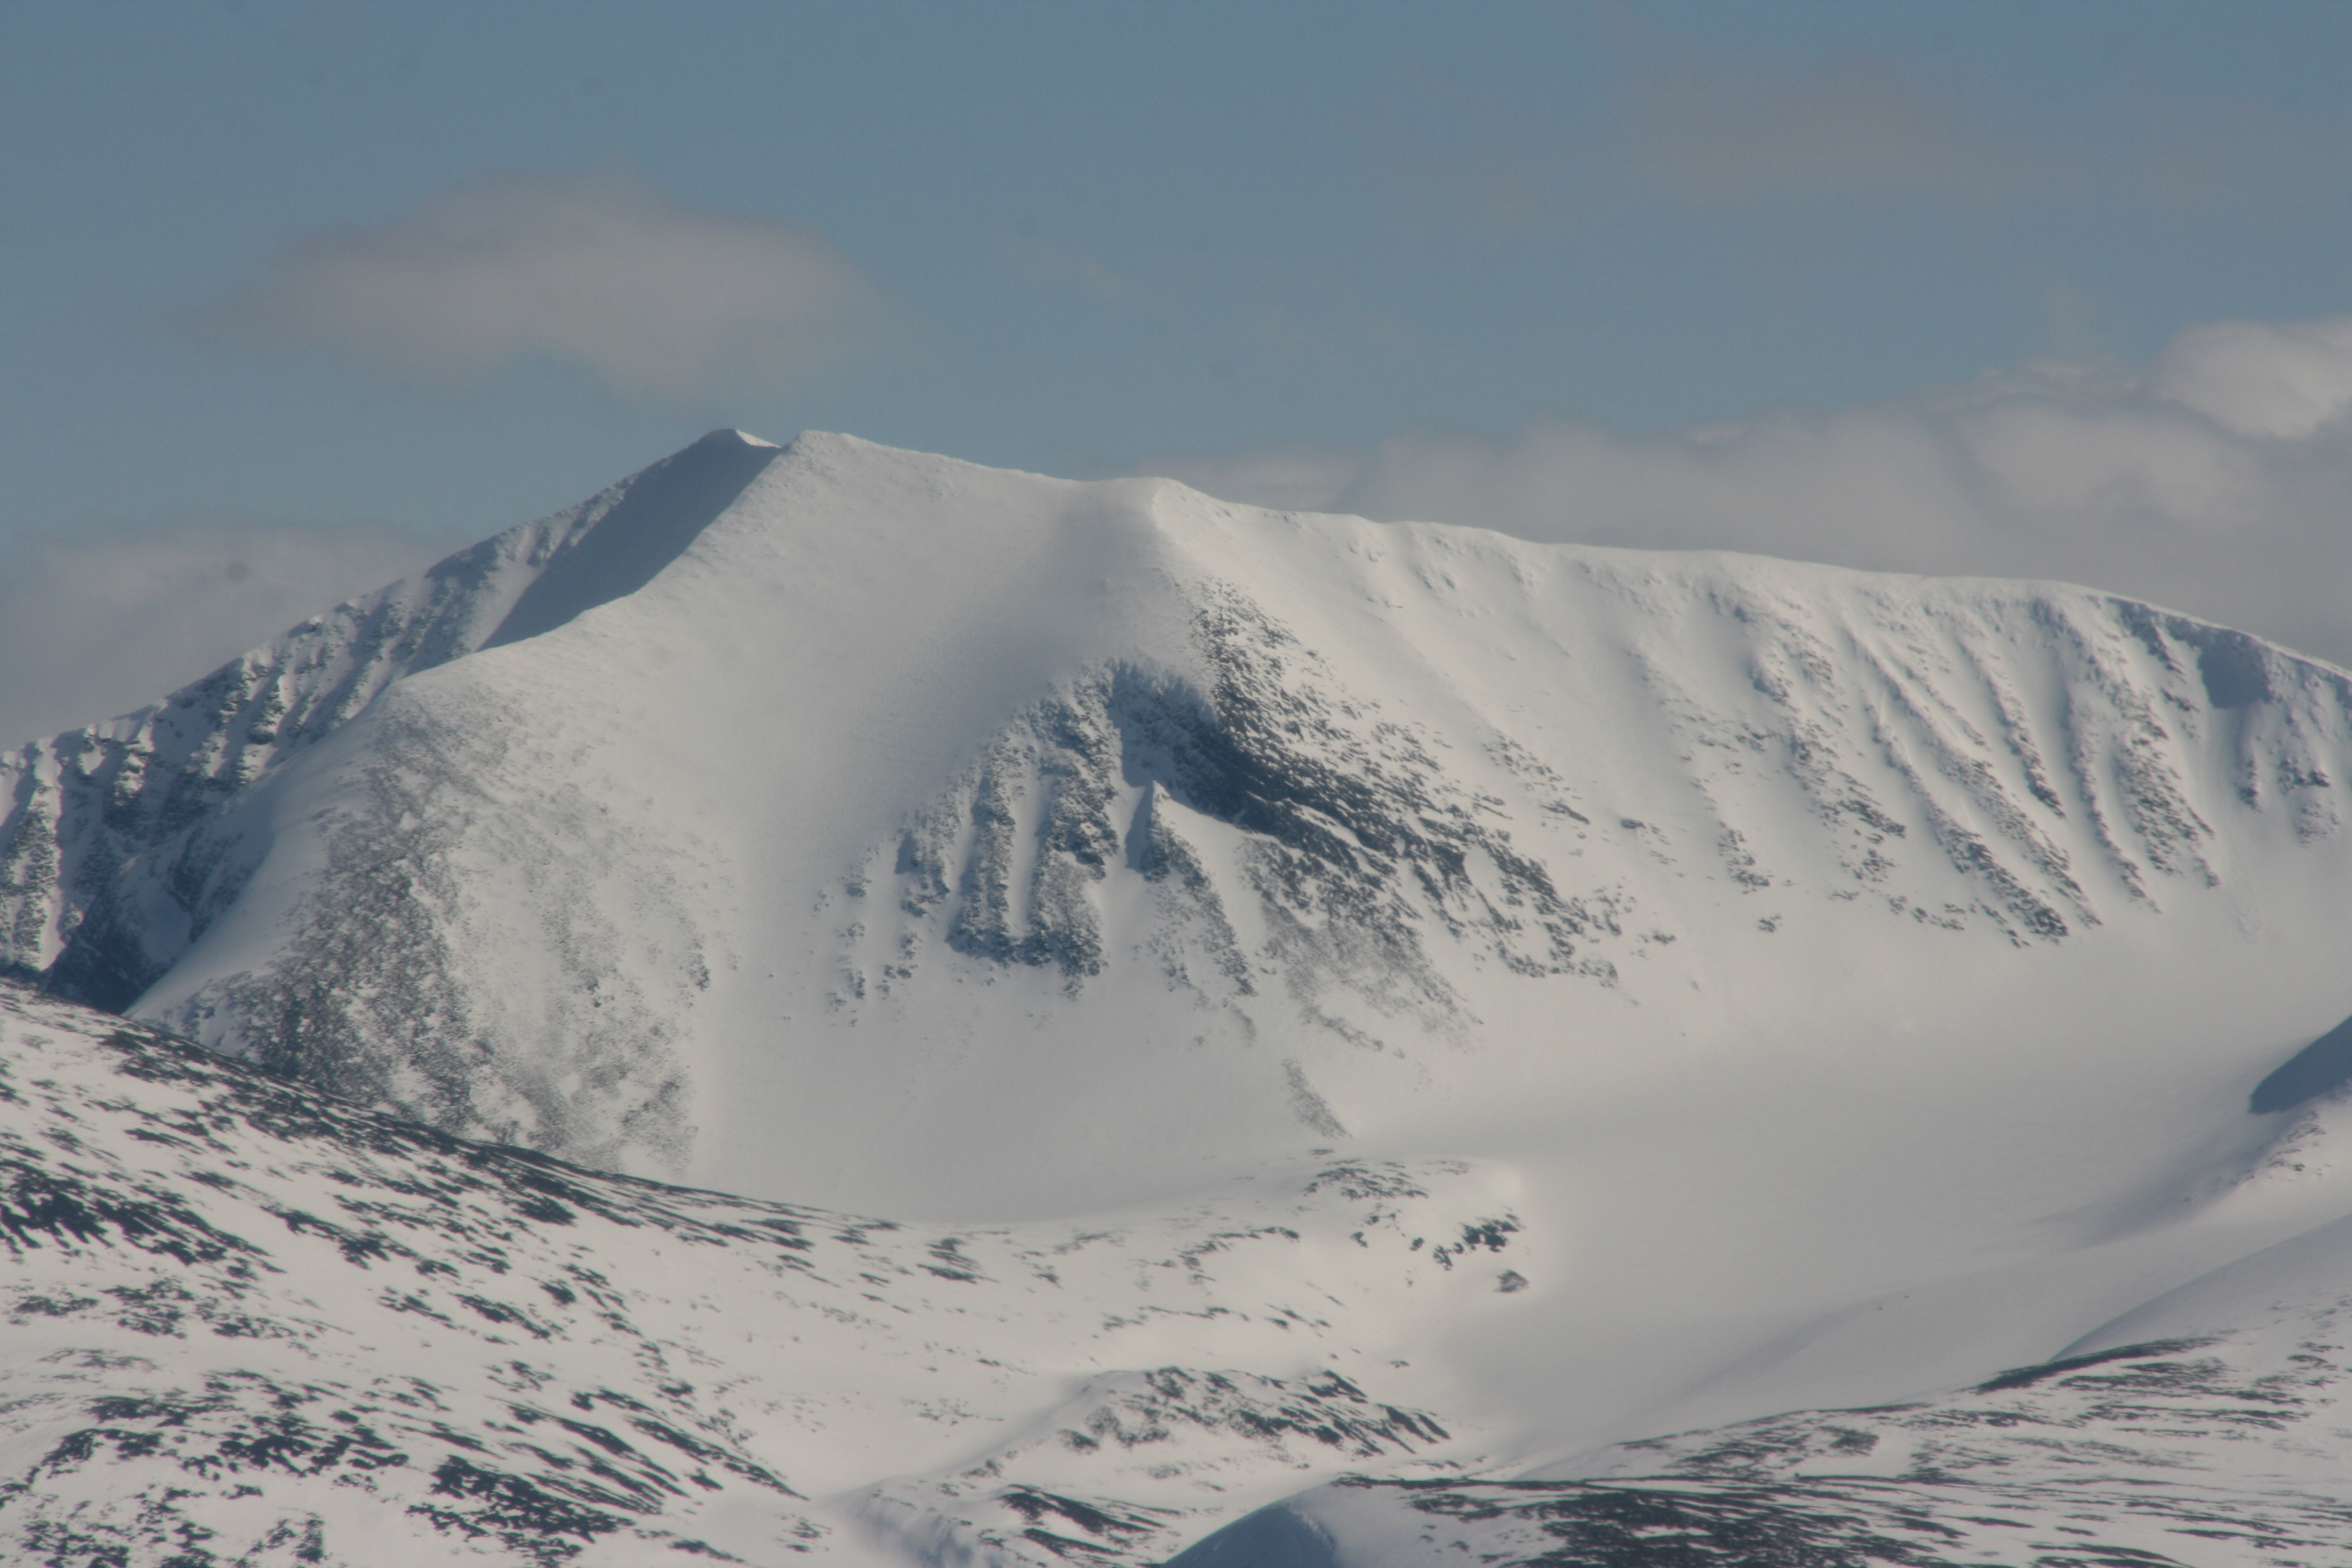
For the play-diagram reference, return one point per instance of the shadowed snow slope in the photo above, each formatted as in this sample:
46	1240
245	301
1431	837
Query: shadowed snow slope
1858	983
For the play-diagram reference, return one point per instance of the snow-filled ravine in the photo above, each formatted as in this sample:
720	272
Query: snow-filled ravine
1365	1031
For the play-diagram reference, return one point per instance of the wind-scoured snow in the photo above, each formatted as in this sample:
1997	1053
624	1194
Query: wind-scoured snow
1858	985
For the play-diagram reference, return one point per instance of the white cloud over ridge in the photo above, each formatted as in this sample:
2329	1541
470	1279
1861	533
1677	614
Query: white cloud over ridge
110	618
2217	480
598	271
2259	379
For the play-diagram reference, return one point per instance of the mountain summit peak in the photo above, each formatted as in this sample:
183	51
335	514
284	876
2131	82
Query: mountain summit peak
727	434
654	515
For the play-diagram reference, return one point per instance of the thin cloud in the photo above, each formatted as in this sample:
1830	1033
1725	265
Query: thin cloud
110	618
1760	134
600	272
1033	259
1721	128
2217	480
2259	379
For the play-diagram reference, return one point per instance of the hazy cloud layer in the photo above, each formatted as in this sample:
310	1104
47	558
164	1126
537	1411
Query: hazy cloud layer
1037	261
1758	134
2217	480
112	618
600	272
1724	127
1760	131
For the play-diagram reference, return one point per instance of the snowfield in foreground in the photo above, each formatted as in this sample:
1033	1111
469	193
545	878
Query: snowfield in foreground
246	1320
1358	1029
248	1324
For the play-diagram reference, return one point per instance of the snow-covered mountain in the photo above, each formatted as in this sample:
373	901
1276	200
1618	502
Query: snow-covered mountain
1753	986
1264	823
84	805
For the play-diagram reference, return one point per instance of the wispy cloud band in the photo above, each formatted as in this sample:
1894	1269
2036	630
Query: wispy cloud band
2217	479
600	272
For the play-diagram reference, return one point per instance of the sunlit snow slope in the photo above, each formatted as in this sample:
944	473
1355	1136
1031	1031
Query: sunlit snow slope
1858	985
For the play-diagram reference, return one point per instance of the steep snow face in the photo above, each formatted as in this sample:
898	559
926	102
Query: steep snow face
108	866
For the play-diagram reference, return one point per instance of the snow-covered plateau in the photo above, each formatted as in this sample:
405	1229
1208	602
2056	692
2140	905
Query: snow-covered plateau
1379	1044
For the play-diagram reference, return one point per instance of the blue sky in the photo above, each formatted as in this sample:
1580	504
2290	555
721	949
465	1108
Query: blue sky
296	294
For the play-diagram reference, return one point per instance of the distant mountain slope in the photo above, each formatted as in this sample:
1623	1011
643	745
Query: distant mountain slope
1295	827
99	888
